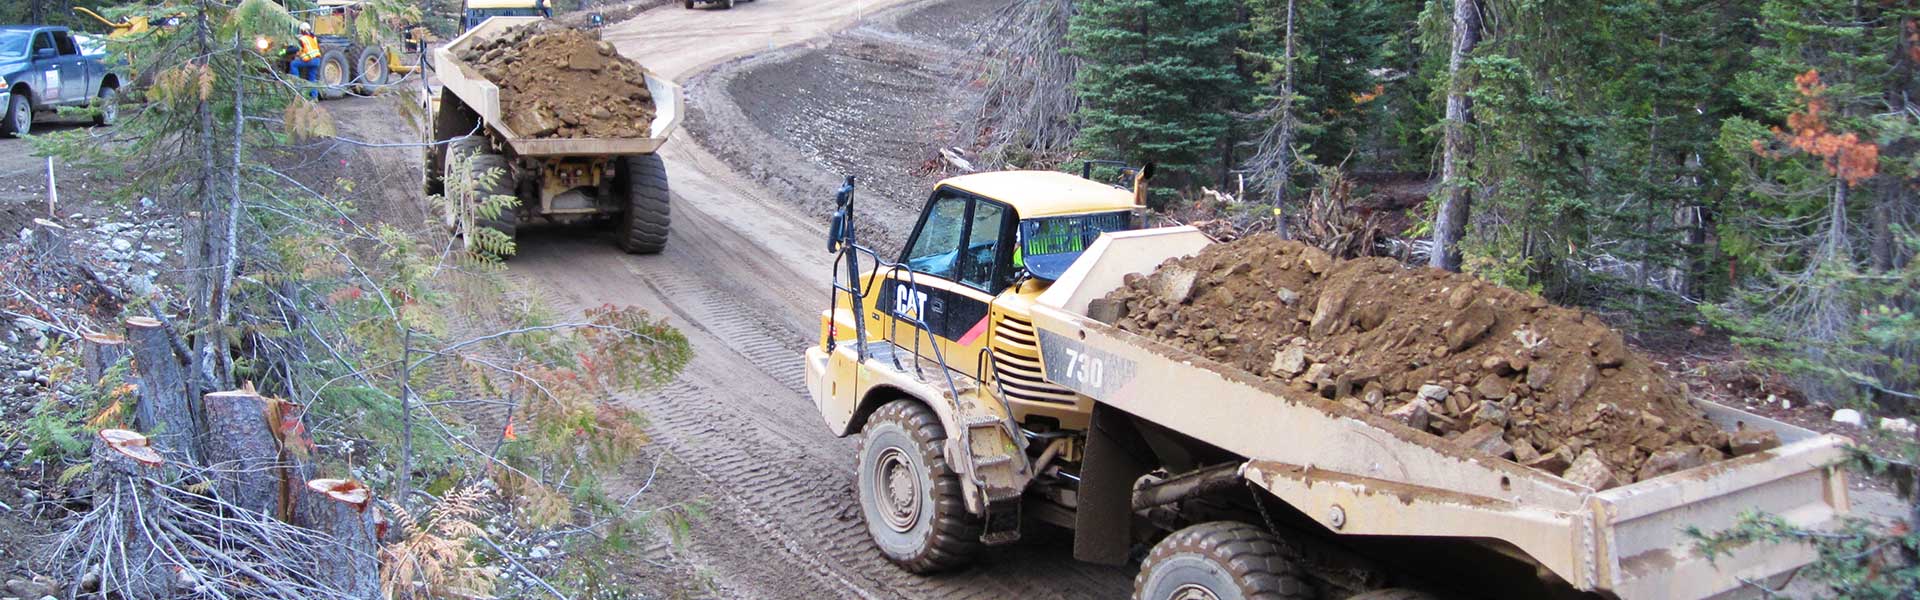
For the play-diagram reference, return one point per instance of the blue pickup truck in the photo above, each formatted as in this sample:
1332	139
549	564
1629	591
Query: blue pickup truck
46	67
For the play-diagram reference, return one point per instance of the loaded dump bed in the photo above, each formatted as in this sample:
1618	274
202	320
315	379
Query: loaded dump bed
483	97
1360	474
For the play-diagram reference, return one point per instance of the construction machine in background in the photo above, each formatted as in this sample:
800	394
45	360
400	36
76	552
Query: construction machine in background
348	62
989	400
722	3
557	180
475	12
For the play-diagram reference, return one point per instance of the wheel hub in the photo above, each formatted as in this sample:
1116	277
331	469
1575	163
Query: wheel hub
21	114
899	493
331	74
1193	591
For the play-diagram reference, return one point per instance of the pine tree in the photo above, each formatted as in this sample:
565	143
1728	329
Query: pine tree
1314	63
1157	82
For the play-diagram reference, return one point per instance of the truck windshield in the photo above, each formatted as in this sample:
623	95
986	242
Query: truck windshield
13	44
1048	245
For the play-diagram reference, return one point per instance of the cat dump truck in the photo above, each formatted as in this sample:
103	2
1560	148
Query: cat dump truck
990	401
557	180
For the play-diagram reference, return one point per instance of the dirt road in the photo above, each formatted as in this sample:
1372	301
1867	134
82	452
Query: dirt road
745	277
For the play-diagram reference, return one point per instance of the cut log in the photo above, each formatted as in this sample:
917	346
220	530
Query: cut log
242	451
343	510
164	409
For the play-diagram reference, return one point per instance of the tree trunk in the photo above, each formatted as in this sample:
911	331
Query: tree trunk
244	453
1450	222
163	410
1285	169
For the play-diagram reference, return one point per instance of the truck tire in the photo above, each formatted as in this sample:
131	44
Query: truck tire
19	117
909	495
109	105
1222	559
370	69
688	4
643	230
335	74
729	4
482	161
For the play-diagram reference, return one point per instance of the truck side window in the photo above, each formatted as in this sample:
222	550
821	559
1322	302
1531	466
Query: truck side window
936	246
65	43
978	266
40	40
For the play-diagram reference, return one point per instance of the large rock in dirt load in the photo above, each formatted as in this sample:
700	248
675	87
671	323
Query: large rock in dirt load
1499	371
565	83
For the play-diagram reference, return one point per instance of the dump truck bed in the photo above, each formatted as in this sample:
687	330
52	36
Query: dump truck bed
484	98
1359	474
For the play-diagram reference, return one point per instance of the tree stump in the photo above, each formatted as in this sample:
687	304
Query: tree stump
343	510
243	452
122	462
103	351
164	408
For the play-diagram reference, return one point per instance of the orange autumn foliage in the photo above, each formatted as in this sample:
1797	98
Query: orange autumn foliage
1846	155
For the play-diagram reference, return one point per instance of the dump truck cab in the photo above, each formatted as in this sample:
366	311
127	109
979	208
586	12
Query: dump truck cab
985	246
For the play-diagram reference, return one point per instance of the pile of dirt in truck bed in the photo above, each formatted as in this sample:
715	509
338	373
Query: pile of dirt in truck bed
1483	366
557	82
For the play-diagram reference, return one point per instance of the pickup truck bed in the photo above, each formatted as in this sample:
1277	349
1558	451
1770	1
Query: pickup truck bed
1358	474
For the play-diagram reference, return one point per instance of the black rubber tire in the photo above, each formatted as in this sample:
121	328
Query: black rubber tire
483	160
1394	594
1233	561
370	69
643	229
335	86
109	100
19	117
904	439
729	4
688	4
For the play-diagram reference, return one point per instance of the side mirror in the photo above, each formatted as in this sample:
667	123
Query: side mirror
840	230
45	53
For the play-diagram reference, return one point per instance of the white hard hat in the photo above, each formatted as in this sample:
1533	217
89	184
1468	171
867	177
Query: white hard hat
306	28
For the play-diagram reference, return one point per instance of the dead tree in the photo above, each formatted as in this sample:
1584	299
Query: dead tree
1450	222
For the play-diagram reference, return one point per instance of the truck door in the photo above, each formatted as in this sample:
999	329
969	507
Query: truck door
46	68
73	69
958	259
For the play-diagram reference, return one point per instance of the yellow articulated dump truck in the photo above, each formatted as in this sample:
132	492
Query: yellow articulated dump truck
990	401
558	180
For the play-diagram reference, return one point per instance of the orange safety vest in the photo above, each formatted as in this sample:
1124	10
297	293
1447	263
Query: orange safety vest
309	47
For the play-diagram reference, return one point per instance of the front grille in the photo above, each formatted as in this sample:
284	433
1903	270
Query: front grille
1016	364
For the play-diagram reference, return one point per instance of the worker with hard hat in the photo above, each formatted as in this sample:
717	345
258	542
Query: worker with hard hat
306	60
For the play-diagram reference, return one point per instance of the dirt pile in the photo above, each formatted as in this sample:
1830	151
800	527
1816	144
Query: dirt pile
557	82
1483	366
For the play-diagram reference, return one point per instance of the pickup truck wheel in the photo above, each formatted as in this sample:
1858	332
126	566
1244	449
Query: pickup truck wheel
371	69
1221	560
643	230
109	106
19	116
335	72
729	4
688	4
910	497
